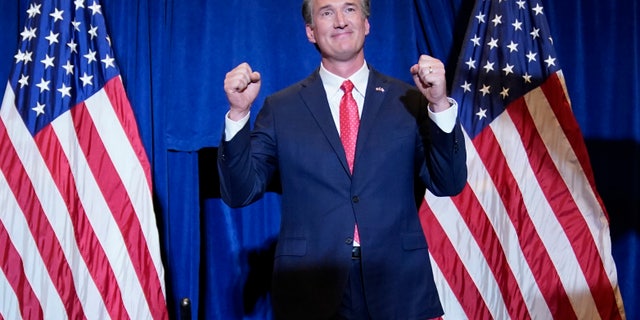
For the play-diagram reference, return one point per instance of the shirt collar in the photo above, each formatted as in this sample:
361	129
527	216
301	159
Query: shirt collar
332	82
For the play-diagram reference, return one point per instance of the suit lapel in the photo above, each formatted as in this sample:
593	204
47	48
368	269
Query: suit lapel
377	88
313	94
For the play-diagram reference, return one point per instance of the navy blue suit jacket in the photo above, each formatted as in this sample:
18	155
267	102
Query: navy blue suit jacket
295	137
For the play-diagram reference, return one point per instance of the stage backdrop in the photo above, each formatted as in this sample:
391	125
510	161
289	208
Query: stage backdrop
173	57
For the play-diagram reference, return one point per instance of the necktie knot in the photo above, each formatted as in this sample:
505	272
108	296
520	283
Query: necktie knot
347	86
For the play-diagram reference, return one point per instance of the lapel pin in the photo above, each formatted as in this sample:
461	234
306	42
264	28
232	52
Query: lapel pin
380	89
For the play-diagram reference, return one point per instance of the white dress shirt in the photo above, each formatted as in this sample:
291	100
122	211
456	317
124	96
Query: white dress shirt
445	120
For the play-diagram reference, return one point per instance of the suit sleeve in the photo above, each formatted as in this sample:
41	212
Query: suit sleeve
444	169
247	162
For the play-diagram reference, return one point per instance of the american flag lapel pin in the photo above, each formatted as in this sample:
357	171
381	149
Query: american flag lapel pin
380	89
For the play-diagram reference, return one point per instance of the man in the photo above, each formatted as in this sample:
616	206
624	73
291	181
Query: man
350	245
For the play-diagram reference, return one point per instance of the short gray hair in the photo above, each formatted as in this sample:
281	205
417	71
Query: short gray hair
307	10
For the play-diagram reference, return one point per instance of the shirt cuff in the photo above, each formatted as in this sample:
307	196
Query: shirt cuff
446	119
231	128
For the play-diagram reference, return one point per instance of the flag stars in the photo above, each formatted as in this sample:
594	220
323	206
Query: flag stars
91	56
95	8
517	25
43	85
65	91
39	108
34	10
93	32
76	25
28	34
531	56
26	57
488	66
485	90
497	20
493	43
57	15
550	61
535	33
52	37
471	63
48	61
24	81
466	87
73	46
476	41
481	114
526	77
108	62
520	4
68	67
508	69
19	56
504	93
537	9
480	17
86	80
79	4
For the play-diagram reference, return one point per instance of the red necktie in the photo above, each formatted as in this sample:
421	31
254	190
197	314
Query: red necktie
349	122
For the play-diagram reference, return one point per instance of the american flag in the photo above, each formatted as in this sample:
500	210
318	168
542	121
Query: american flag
78	236
528	237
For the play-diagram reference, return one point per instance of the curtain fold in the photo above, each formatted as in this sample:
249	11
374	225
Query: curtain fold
173	57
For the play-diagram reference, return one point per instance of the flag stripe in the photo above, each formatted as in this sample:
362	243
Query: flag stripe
555	90
95	137
531	205
535	178
506	227
123	111
485	237
34	270
132	161
89	246
29	161
502	175
453	307
103	225
81	223
451	265
46	239
562	204
14	278
569	212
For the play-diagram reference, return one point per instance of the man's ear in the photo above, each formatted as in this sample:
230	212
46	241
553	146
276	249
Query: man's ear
310	35
367	27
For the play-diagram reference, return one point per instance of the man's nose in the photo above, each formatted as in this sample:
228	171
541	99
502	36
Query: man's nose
340	21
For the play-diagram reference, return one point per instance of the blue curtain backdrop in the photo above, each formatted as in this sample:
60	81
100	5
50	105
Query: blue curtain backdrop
173	56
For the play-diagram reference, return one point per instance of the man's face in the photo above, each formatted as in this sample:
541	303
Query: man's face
339	28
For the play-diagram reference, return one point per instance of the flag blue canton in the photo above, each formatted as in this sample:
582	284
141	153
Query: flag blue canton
508	51
65	56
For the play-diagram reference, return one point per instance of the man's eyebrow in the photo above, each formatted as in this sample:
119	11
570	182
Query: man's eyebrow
327	6
348	4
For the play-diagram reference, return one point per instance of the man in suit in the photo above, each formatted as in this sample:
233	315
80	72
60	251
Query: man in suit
350	245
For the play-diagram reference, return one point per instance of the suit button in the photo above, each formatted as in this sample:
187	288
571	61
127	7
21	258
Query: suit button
348	240
355	199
